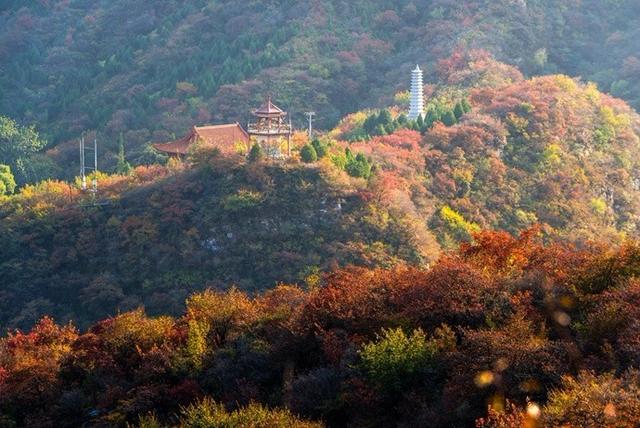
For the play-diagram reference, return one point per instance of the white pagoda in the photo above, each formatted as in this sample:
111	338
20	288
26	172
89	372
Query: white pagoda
416	107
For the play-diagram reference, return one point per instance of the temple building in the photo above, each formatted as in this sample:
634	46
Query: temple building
228	138
271	130
416	107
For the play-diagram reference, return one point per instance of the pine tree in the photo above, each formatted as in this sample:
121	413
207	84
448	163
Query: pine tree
465	105
458	110
384	118
122	167
431	117
308	154
449	118
380	130
255	154
321	149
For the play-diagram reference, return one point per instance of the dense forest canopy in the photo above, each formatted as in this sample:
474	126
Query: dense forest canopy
150	70
543	335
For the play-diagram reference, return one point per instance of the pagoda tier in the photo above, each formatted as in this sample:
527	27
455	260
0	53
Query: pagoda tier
270	128
269	110
417	96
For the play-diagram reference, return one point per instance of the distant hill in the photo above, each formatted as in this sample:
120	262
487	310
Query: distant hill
150	70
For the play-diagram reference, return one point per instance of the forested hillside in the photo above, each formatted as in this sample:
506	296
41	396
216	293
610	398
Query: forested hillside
543	336
478	265
161	234
548	151
149	70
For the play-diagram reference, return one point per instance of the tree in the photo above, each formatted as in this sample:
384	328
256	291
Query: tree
17	144
358	166
7	182
458	110
384	118
395	358
449	118
321	148
308	154
256	154
122	167
431	117
465	105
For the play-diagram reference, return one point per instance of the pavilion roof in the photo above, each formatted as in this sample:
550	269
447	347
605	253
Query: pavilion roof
225	136
269	109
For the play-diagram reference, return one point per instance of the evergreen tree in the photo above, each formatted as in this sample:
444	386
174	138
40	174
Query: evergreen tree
370	124
449	118
384	118
431	117
402	119
391	128
255	154
420	122
380	130
465	105
122	167
321	149
308	154
458	110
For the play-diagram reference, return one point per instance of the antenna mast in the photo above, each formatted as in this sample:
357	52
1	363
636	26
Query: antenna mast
83	164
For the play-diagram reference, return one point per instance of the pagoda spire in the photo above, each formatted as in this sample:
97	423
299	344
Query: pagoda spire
416	107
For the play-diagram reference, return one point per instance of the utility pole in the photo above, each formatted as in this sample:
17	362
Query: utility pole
310	115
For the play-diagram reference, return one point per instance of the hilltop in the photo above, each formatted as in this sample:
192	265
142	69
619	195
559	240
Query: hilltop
160	234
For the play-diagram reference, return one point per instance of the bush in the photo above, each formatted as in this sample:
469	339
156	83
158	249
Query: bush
595	401
321	149
7	182
357	166
308	154
255	154
242	200
395	358
207	414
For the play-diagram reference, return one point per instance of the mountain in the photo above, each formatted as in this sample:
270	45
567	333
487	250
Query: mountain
150	70
550	152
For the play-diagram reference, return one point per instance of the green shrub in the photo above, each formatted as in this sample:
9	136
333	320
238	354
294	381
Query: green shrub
308	154
209	414
321	148
256	153
357	166
242	200
394	359
7	182
456	224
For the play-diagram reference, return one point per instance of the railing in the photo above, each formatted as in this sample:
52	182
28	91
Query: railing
258	129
